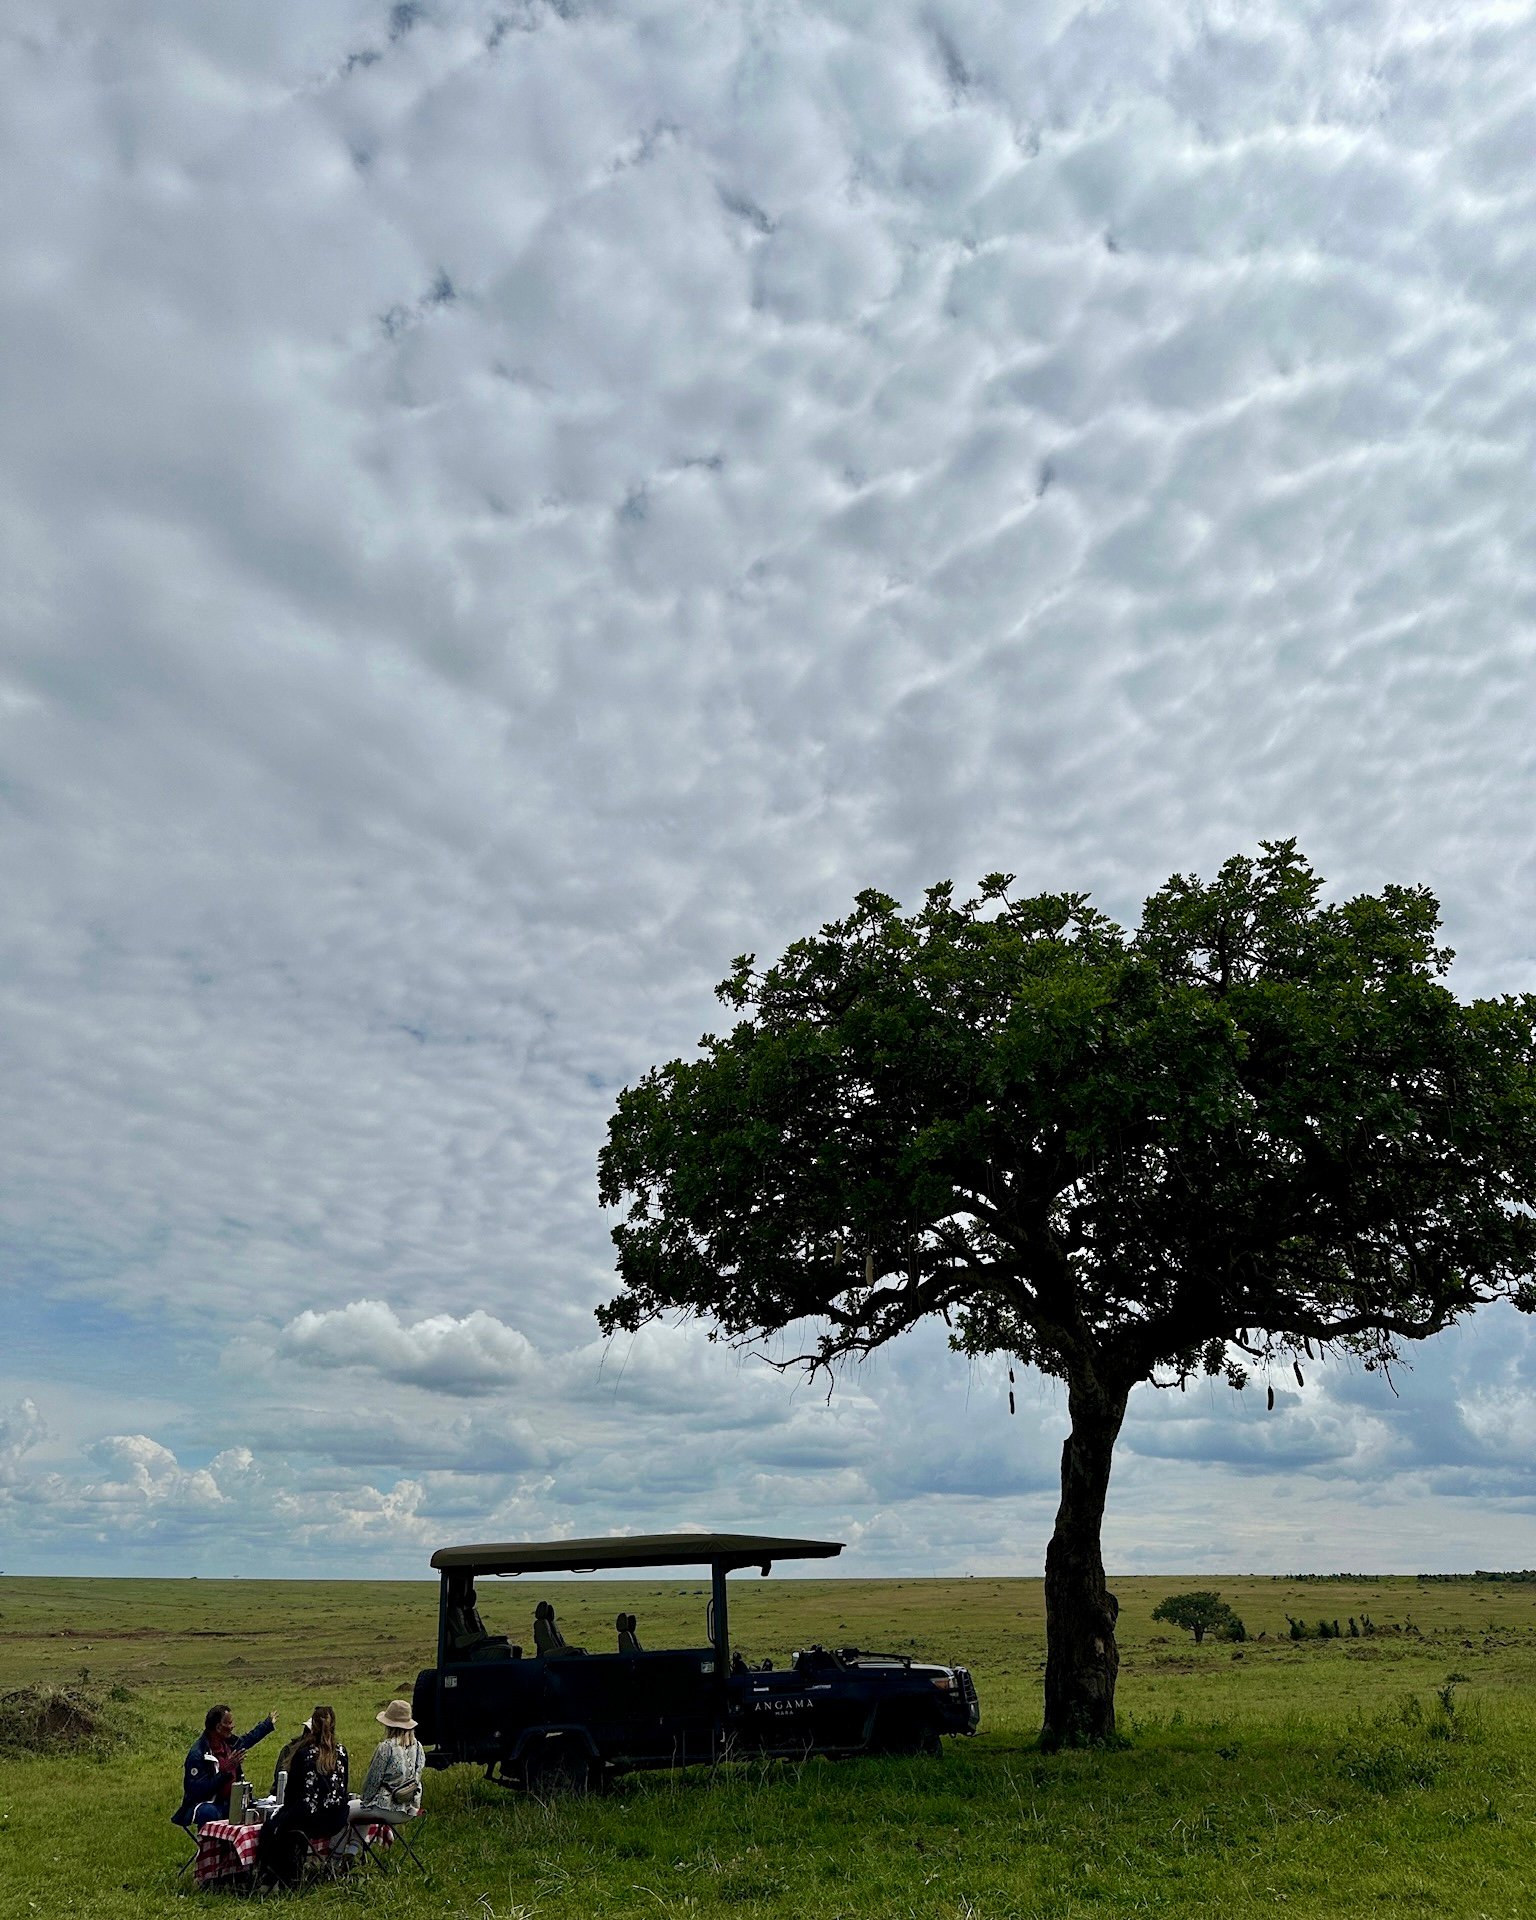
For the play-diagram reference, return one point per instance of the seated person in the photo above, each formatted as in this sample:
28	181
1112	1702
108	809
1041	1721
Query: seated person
467	1635
285	1758
628	1640
392	1789
315	1803
214	1764
547	1637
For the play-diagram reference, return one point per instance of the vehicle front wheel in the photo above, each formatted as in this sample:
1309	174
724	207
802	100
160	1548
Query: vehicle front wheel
905	1733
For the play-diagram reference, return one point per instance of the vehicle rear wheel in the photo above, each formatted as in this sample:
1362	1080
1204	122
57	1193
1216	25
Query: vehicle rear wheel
558	1769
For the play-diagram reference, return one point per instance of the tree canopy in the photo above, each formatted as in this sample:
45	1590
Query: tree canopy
1198	1612
1257	1126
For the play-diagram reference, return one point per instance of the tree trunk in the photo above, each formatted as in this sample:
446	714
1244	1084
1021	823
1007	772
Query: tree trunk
1081	1658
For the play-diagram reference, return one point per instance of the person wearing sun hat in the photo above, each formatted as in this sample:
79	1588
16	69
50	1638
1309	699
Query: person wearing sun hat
392	1788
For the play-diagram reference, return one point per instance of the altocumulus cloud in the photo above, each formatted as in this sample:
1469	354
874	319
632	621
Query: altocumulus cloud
512	504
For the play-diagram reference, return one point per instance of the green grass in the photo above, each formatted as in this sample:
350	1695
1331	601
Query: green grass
1312	1778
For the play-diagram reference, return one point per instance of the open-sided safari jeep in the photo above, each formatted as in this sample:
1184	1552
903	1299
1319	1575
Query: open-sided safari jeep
553	1716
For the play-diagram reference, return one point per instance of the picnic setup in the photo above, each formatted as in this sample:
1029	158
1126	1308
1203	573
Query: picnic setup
554	1719
310	1825
226	1849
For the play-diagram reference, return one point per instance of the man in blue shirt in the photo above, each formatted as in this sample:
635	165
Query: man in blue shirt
213	1766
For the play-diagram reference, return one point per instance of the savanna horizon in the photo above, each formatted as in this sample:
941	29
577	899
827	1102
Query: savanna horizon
1327	1774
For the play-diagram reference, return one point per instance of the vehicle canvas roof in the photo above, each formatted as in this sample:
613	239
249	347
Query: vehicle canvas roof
725	1550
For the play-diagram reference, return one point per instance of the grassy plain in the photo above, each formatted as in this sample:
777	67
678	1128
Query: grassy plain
1321	1777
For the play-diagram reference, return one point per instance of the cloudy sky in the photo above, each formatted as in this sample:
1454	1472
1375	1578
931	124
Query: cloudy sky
506	504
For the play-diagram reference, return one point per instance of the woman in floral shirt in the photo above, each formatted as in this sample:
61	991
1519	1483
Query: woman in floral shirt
314	1803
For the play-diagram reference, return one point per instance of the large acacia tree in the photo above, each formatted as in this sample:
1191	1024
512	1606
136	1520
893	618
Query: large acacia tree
1259	1126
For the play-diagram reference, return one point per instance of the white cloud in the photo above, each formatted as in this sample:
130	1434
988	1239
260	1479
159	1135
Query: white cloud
21	1429
476	1354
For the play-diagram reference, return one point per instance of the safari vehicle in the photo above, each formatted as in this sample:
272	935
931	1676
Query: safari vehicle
556	1717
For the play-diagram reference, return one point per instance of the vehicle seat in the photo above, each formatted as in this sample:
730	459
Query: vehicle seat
467	1635
547	1637
628	1640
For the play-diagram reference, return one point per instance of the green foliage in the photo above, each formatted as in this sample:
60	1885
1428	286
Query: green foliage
1200	1612
1257	1124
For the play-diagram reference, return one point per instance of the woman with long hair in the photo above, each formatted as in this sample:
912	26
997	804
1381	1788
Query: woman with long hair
392	1790
314	1802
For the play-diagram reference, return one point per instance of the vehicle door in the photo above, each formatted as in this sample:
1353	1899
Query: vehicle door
774	1712
641	1708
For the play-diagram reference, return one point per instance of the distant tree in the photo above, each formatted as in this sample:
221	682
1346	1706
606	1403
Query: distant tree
1256	1127
1198	1612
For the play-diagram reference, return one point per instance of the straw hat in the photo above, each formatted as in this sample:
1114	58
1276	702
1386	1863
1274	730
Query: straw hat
396	1714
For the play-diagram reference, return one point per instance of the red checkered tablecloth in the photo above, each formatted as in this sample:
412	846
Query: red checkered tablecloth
224	1849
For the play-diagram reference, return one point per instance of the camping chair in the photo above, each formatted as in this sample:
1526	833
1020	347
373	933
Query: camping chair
193	1839
189	1834
406	1828
334	1864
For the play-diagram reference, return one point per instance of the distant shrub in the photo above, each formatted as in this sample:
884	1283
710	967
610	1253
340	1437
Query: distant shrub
1359	1579
1525	1576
